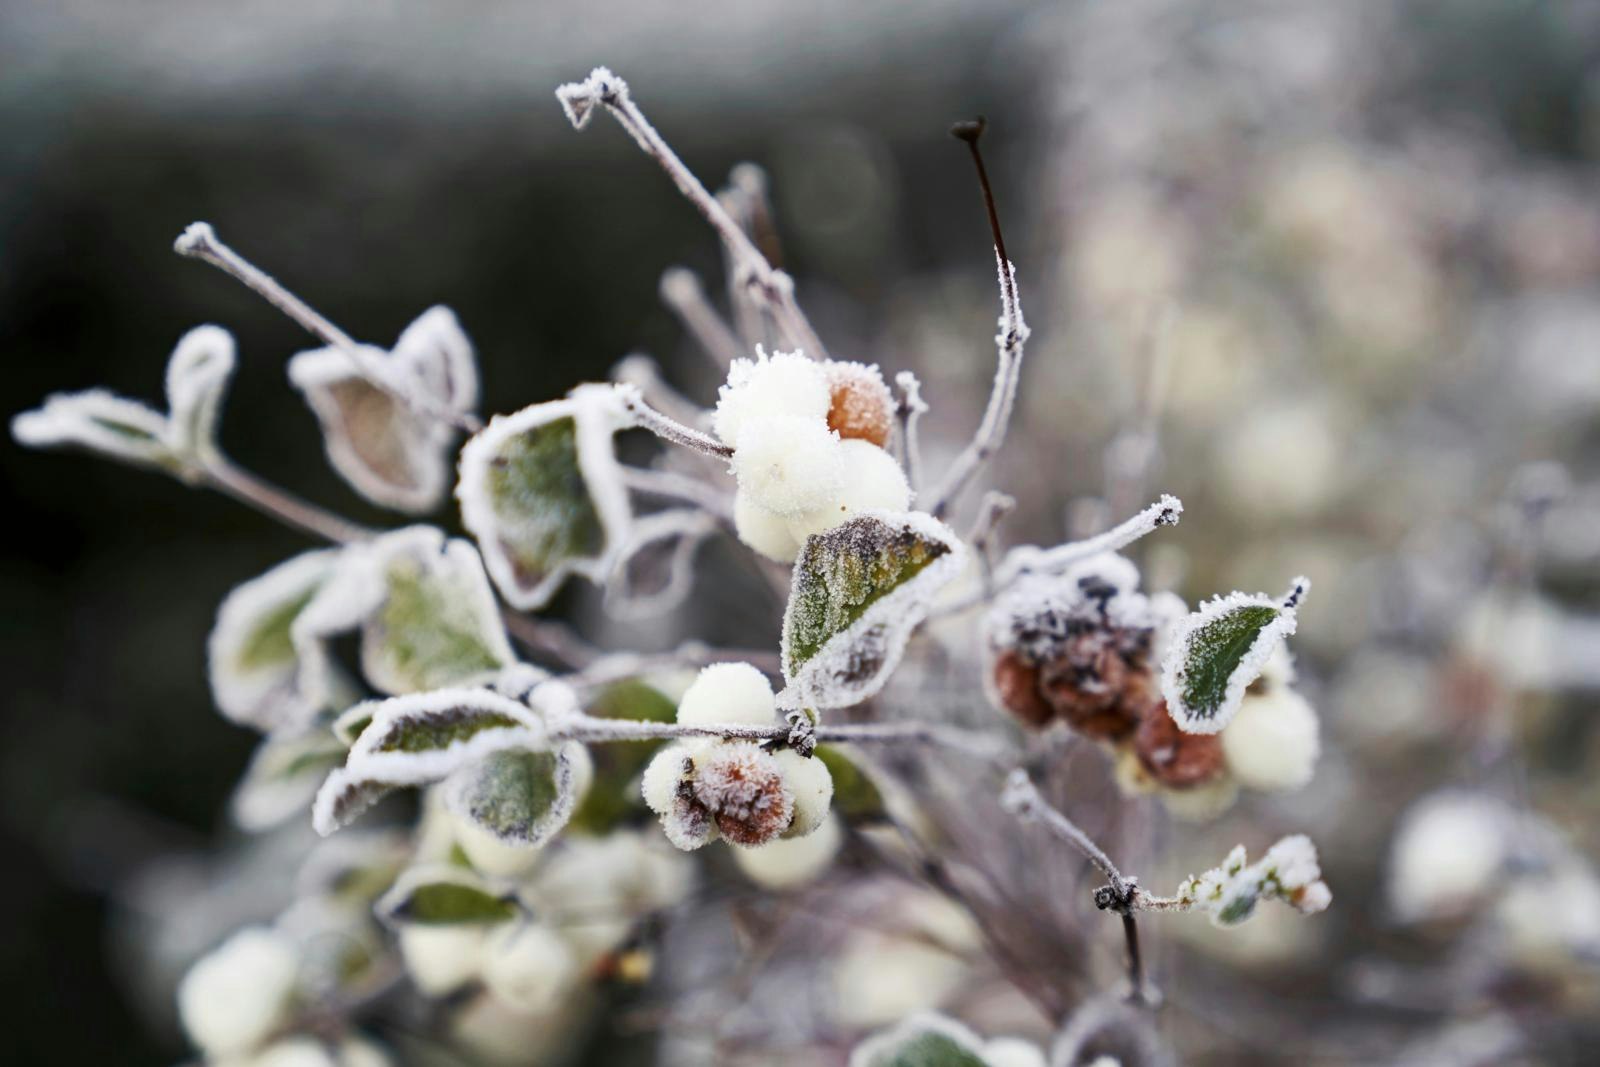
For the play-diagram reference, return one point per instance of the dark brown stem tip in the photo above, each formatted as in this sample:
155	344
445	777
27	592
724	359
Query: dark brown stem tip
969	130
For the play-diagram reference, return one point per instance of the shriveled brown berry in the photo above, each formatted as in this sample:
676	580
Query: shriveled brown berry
1087	683
862	406
743	786
1016	685
1174	758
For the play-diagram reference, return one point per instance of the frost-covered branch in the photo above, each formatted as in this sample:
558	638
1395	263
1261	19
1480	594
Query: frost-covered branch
228	478
683	294
996	506
200	241
667	428
1164	512
909	412
775	287
1010	340
590	730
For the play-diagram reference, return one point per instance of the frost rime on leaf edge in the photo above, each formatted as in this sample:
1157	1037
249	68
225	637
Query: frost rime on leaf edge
1175	665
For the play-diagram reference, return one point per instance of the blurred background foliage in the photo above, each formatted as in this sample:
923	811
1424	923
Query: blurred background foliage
1363	237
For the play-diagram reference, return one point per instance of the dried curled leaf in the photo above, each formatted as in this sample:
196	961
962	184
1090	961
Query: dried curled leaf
253	663
1215	653
436	623
924	1040
542	493
389	453
655	569
418	739
441	895
283	777
523	798
859	590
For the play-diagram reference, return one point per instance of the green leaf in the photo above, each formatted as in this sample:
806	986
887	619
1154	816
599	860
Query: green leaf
522	797
859	590
1216	652
102	422
444	896
926	1040
418	739
609	802
855	795
438	624
283	777
542	493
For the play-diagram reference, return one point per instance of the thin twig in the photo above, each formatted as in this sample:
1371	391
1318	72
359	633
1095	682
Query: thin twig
200	241
683	294
774	286
668	428
996	506
1009	341
909	412
591	730
228	478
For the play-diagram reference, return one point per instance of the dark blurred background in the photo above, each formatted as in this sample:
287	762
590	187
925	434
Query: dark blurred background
383	158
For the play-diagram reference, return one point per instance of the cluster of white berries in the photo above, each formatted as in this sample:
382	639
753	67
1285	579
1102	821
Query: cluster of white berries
808	442
734	789
1289	871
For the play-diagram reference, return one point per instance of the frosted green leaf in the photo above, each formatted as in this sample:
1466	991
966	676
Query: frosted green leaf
522	797
610	801
283	777
197	379
542	493
438	623
252	659
444	896
419	739
855	795
1215	653
102	422
389	453
859	590
926	1040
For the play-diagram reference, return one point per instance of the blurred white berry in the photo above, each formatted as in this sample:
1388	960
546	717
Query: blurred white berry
442	959
871	479
231	999
1202	803
309	1052
789	465
1272	743
765	531
728	693
767	387
1448	851
792	862
528	965
1012	1052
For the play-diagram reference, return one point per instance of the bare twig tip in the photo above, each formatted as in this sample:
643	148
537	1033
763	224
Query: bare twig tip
194	239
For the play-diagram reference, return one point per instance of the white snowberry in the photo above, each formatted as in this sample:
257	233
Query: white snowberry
789	465
765	531
231	999
728	693
782	384
1272	743
807	778
871	479
442	959
788	863
528	965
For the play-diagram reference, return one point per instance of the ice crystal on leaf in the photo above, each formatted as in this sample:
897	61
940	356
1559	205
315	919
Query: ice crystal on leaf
386	450
542	493
1219	650
859	591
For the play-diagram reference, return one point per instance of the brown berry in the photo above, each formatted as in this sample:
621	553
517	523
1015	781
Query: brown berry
1016	686
1174	758
1086	684
862	406
742	785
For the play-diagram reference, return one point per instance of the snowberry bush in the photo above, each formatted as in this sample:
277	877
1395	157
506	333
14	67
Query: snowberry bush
558	789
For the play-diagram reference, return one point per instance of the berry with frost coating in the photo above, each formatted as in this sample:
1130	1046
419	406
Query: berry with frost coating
860	405
1272	742
1176	759
789	465
669	792
765	531
743	786
728	693
791	862
871	479
528	965
784	384
442	959
235	996
811	785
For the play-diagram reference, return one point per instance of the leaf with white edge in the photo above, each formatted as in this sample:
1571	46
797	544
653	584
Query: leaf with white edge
439	895
283	777
102	422
252	659
923	1040
855	795
352	721
542	492
523	798
389	453
438	623
197	379
859	590
1215	653
656	567
418	739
